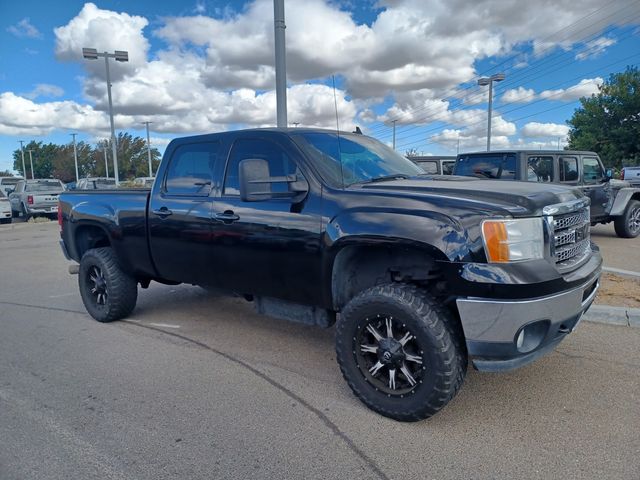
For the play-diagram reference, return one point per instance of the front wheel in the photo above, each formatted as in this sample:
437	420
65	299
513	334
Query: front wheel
399	352
4	221
107	292
627	225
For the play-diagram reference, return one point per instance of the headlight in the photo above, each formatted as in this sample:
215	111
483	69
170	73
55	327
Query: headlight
513	240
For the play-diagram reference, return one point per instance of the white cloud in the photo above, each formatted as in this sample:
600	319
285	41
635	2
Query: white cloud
585	88
595	48
535	129
24	29
44	90
519	95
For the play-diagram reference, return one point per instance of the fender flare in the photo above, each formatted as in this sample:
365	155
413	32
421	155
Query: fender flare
623	196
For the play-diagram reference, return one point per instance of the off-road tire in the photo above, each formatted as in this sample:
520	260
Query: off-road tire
622	224
432	325
25	213
121	289
14	213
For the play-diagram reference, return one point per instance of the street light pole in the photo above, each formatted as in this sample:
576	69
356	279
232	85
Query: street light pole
149	148
106	161
119	56
30	160
394	133
281	67
24	169
498	77
75	154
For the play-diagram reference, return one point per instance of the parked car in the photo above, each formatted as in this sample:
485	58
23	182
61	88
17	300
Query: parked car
36	197
631	175
426	273
5	208
96	183
145	182
611	200
7	184
435	165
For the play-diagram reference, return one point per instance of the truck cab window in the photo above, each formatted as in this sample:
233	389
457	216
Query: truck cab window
568	169
429	166
540	169
592	170
191	168
494	166
279	163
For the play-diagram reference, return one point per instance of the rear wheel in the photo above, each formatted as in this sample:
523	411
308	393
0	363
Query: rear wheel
25	213
397	349
627	225
107	292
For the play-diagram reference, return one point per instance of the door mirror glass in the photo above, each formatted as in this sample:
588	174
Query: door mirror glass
609	174
256	182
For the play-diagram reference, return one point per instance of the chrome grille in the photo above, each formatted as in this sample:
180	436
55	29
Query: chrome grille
571	238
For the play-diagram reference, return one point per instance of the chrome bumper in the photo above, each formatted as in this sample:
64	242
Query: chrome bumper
492	327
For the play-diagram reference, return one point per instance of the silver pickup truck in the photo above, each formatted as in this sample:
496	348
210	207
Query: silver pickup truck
36	197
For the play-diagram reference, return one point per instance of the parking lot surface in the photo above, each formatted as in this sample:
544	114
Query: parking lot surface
195	385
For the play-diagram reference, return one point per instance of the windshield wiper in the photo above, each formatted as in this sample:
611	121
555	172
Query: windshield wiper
384	178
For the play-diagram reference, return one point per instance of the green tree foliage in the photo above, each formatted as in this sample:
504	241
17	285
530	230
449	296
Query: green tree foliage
57	161
609	122
5	173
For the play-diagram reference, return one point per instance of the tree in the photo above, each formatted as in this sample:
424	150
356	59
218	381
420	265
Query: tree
132	157
609	122
42	156
5	173
64	163
412	152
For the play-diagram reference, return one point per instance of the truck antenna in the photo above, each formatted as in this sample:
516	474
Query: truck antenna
335	104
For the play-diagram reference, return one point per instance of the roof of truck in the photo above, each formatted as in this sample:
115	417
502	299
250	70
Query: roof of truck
532	152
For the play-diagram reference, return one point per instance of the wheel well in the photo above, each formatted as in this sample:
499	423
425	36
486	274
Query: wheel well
88	237
357	268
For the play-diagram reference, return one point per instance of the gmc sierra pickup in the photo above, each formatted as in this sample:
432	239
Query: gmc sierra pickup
423	273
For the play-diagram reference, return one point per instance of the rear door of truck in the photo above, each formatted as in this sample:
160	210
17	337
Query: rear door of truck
179	216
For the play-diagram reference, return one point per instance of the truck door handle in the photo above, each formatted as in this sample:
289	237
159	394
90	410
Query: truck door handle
162	212
226	217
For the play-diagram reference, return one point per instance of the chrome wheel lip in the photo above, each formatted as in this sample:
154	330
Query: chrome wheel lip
395	374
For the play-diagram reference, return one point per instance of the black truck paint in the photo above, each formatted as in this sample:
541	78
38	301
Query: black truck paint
313	248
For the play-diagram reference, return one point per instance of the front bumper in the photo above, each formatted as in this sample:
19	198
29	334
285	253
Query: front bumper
492	327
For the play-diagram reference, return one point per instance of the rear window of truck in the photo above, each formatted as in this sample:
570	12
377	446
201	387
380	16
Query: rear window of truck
494	166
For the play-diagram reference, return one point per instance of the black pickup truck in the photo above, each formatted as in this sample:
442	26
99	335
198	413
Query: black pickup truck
423	273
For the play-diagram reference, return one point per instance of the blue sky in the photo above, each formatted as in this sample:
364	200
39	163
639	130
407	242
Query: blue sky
207	66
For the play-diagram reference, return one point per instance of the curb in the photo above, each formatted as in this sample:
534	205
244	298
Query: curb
620	271
626	316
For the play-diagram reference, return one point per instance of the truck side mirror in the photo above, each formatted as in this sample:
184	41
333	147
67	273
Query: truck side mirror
608	174
256	184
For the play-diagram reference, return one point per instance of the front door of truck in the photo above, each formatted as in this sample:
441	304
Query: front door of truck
594	185
180	214
269	247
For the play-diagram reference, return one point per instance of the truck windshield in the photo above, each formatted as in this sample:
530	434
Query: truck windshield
499	166
347	159
43	186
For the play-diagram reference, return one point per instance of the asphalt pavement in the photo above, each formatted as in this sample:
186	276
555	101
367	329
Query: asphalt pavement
195	385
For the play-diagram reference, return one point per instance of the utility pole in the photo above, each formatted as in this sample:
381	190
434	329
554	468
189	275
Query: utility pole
75	154
31	160
24	169
458	146
149	149
281	64
119	56
394	133
559	143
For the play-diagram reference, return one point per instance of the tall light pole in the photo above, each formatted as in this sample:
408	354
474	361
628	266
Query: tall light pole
75	154
106	161
281	66
498	77
24	169
149	148
120	56
394	133
31	160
